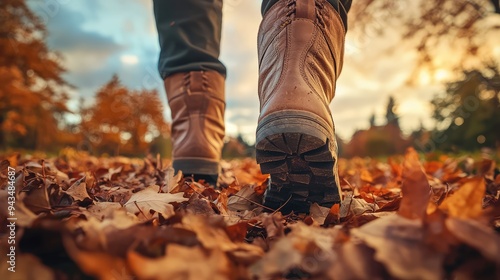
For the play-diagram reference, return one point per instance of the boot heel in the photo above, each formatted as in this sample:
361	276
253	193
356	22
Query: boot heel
299	152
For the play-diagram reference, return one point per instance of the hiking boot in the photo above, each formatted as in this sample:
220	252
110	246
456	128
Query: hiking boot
196	100
301	48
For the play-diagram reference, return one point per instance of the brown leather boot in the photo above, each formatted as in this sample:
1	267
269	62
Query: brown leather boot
301	48
197	103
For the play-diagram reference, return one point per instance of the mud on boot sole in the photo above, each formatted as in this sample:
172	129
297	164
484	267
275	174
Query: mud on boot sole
300	154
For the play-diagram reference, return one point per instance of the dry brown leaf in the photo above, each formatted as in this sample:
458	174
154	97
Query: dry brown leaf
242	200
281	258
150	199
319	213
171	179
237	232
181	263
273	224
37	199
356	206
399	245
215	237
96	233
466	202
24	215
437	235
415	188
113	172
98	264
354	262
198	205
78	191
476	235
307	248
102	210
119	219
487	168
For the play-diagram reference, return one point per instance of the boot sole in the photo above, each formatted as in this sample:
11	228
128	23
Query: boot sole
299	151
194	165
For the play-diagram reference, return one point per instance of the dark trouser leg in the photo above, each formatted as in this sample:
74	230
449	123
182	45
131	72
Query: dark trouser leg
189	33
342	6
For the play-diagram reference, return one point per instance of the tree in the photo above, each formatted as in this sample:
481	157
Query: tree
372	120
32	96
122	120
427	25
390	115
468	113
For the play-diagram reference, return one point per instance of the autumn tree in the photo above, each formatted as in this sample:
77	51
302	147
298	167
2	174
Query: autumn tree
468	113
32	90
123	121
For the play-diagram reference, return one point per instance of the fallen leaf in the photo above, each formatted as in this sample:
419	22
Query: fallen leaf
306	248
437	234
333	216
415	188
171	179
24	215
279	260
355	261
149	199
466	202
113	172
98	264
199	206
273	223
242	200
399	245
214	236
119	219
356	206
104	209
319	213
487	168
37	199
476	235
182	262
237	232
78	191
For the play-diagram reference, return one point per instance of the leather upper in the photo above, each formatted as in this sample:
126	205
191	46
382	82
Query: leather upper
301	49
197	106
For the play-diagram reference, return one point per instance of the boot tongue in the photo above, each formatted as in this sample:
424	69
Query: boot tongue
305	9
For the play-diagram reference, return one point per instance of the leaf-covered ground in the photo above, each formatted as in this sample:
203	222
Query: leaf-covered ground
80	217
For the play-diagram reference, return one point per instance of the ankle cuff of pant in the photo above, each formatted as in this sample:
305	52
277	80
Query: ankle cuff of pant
199	166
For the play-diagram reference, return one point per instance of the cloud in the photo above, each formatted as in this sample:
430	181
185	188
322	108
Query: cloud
87	54
93	39
239	53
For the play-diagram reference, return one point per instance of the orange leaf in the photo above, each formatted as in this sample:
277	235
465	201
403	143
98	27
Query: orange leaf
416	189
467	201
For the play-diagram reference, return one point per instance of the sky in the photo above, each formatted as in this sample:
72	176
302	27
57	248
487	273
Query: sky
97	39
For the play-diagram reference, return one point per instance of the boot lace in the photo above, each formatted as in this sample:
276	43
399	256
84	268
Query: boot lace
291	11
319	12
